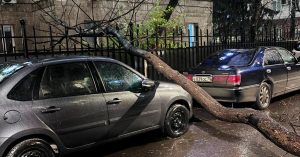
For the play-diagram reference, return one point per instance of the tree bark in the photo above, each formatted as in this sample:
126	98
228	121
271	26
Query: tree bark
289	141
254	19
167	14
293	20
171	4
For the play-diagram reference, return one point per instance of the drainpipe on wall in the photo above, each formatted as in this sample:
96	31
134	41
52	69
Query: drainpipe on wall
24	37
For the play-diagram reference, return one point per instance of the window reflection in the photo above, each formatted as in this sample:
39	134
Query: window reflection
118	78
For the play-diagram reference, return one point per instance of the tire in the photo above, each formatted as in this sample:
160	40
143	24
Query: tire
176	121
31	148
264	96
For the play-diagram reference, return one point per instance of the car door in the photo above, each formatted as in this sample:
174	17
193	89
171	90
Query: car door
129	108
293	69
275	70
67	93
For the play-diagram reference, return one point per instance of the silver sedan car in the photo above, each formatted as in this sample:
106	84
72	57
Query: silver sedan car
54	106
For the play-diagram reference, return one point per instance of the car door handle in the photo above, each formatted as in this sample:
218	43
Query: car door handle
289	68
114	101
269	71
50	109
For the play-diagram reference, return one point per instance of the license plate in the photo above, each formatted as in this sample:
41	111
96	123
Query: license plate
202	78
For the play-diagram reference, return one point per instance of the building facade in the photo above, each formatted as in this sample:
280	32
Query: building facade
39	13
11	12
281	20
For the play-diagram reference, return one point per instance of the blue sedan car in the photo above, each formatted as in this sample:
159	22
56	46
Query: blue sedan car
248	75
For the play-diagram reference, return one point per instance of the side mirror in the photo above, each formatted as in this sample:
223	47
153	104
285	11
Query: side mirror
297	61
148	84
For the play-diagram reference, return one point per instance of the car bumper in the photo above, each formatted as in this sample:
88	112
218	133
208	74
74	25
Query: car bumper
236	94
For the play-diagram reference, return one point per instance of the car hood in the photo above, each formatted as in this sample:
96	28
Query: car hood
169	85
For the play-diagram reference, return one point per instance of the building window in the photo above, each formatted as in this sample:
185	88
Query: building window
192	34
277	4
7	43
283	2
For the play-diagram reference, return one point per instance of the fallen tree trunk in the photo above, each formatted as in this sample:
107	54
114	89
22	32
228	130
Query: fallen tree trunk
278	134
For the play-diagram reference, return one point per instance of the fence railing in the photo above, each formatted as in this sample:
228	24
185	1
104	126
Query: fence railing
180	50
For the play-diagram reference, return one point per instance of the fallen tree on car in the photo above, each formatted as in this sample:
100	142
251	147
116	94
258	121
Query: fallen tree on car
260	120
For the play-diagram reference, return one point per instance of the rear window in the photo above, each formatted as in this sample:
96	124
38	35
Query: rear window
230	58
8	69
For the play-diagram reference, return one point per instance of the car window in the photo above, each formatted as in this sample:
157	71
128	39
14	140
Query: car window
24	89
117	78
287	57
272	57
68	79
297	47
231	57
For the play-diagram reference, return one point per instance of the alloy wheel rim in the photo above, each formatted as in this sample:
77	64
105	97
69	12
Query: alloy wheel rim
177	121
33	153
264	96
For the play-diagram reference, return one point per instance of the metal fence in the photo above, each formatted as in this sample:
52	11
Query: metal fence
180	50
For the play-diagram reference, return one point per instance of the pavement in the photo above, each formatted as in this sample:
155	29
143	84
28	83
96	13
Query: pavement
207	136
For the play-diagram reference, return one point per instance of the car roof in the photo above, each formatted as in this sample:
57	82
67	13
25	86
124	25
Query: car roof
34	62
57	59
239	50
272	47
259	47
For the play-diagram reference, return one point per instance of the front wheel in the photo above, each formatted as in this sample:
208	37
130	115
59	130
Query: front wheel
264	95
177	120
31	148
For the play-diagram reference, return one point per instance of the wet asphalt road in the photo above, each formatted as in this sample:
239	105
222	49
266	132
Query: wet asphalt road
206	137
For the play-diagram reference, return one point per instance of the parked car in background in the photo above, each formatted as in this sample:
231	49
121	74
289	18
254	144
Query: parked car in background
248	75
54	106
296	50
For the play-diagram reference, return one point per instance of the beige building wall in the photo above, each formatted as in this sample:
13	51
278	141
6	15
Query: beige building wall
10	15
195	11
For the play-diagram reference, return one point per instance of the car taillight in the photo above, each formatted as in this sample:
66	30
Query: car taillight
188	76
220	79
234	79
227	79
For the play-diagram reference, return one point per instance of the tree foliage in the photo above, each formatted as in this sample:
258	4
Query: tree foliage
151	32
241	18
